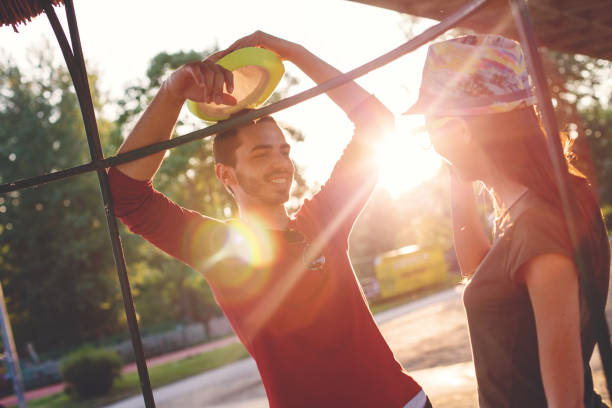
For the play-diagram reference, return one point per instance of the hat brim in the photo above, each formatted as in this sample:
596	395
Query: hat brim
471	106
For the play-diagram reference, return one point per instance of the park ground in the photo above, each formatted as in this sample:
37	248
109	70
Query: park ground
428	336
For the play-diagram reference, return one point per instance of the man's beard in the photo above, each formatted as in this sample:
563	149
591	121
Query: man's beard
254	187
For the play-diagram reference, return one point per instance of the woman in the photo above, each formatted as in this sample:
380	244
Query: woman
530	329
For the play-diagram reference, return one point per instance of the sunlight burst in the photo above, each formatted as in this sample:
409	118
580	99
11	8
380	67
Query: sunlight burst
406	157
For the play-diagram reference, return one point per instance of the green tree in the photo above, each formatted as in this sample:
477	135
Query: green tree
376	229
598	133
55	259
420	216
580	88
574	82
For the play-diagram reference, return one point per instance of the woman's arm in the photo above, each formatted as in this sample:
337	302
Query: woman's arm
552	282
469	237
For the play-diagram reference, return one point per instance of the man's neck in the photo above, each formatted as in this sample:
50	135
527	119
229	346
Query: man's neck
272	217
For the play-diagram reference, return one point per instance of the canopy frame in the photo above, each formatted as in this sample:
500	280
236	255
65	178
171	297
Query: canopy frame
73	56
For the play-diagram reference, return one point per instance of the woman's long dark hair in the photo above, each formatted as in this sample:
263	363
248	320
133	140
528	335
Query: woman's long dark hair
516	143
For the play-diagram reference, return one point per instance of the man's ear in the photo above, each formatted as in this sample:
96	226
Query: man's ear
225	174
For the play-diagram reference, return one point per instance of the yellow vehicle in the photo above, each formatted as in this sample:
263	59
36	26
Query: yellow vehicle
409	268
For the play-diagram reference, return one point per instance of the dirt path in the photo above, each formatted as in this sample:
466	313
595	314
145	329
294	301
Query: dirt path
433	345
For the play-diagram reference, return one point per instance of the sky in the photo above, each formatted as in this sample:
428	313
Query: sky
119	39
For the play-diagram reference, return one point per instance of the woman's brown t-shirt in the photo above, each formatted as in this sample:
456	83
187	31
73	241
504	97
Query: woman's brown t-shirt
500	316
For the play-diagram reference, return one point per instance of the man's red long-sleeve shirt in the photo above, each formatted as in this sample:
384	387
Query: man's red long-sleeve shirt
310	331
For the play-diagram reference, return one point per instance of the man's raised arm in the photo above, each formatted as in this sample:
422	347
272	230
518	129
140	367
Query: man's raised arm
200	81
349	97
346	192
144	210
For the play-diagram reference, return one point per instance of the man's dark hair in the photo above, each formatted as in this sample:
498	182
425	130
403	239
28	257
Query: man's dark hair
226	143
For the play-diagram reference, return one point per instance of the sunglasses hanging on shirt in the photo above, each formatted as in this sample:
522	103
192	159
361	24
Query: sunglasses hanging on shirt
295	237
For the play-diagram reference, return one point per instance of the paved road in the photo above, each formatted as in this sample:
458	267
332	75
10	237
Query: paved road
429	337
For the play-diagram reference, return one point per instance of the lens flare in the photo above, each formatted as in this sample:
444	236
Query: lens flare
235	257
252	243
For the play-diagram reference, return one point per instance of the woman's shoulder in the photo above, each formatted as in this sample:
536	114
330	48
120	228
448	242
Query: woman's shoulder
536	228
536	223
534	212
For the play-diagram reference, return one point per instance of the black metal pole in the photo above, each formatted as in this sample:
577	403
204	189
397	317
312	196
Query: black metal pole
11	357
568	199
136	154
78	71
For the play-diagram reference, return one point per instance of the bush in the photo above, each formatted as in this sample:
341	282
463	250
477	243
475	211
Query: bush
91	372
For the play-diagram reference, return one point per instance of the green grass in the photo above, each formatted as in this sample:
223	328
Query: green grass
129	384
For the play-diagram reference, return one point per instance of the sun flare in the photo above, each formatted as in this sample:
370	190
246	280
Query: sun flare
406	157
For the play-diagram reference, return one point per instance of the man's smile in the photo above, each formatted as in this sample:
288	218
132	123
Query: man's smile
279	179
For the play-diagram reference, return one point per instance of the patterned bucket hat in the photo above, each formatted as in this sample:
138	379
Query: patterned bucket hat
473	75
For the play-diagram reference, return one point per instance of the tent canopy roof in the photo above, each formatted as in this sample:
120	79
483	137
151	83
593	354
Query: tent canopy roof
572	26
15	12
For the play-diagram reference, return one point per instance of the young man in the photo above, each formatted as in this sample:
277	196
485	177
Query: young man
285	284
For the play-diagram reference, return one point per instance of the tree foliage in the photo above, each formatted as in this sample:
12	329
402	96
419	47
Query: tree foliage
420	217
598	132
56	264
579	87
